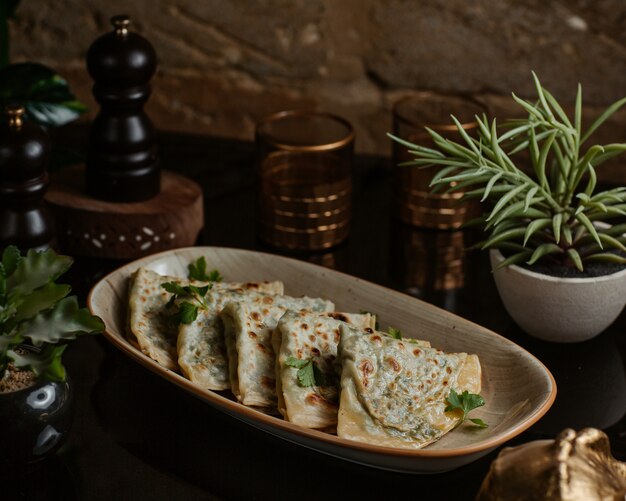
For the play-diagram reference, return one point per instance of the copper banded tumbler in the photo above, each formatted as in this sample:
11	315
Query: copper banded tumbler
414	202
304	166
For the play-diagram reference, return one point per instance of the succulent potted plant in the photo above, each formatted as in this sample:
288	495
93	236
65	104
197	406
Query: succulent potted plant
557	244
37	318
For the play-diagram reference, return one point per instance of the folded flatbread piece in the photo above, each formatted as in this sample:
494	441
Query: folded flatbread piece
393	392
202	352
304	336
148	318
248	330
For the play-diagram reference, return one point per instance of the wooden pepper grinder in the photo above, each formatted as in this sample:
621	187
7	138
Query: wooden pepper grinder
24	150
120	204
122	165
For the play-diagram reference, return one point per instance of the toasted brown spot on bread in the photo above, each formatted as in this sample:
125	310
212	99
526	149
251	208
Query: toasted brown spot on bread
268	382
393	363
339	316
315	399
366	367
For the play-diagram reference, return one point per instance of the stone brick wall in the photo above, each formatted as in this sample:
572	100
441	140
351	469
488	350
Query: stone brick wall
225	63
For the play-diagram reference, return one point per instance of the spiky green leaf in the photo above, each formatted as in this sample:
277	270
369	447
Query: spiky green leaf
575	257
604	116
606	257
584	220
35	270
40	300
45	364
62	322
534	226
557	221
10	258
544	250
517	258
505	199
506	235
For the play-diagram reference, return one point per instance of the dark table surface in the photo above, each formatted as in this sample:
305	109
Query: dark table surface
136	436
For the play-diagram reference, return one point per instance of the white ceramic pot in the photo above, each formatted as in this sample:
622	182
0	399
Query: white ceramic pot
562	310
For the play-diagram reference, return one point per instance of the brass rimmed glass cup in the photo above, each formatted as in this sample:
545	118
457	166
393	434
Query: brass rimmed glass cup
304	166
414	202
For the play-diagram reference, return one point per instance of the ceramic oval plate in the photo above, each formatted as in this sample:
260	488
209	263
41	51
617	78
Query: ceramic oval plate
517	387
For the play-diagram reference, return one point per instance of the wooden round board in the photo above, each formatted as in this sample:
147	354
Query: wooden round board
90	227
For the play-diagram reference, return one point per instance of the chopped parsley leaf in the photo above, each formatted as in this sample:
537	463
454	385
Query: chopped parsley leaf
308	373
197	271
465	402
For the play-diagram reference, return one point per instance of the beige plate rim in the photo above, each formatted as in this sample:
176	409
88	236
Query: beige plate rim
251	414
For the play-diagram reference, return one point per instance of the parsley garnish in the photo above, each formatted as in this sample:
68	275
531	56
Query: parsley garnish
465	402
197	271
394	333
192	300
308	373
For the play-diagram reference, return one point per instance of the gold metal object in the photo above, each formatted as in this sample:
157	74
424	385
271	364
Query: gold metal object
121	23
304	164
574	467
16	115
414	202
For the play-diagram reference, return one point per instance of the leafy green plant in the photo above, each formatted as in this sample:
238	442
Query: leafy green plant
44	94
551	214
37	316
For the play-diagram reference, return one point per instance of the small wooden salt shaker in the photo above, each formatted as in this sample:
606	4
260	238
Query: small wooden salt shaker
24	150
122	164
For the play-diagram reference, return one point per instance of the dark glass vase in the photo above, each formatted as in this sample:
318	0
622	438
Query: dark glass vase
34	422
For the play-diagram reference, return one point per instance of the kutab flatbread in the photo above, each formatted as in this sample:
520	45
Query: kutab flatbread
248	330
393	392
202	352
148	318
304	336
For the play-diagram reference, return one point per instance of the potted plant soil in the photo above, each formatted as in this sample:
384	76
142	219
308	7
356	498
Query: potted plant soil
557	244
37	318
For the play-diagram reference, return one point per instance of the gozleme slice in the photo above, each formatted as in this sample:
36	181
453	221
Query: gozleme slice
202	353
304	336
248	330
393	392
148	318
